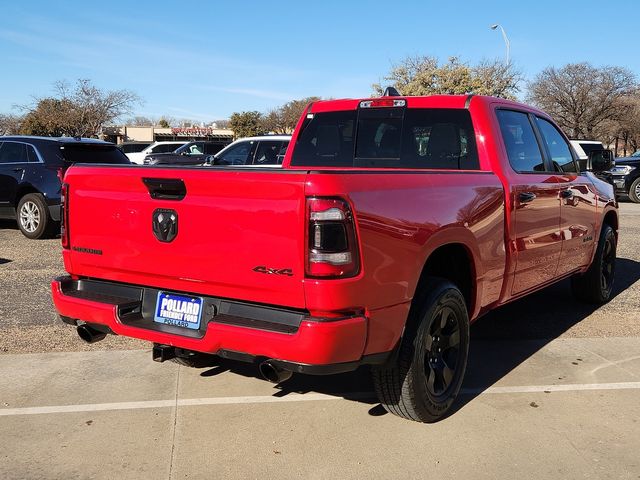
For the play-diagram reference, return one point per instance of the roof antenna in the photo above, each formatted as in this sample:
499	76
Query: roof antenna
391	92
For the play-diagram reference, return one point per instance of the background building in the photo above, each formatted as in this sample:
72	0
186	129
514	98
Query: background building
123	134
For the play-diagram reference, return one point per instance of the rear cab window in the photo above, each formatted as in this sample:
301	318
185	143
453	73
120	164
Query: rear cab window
388	137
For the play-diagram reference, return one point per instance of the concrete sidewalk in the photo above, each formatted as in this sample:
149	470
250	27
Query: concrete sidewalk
565	409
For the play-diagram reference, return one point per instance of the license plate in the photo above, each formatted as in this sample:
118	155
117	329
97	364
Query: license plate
178	310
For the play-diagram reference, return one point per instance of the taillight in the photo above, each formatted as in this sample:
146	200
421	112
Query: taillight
332	247
64	215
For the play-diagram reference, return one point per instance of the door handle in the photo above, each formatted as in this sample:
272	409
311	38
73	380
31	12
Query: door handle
526	197
566	194
18	169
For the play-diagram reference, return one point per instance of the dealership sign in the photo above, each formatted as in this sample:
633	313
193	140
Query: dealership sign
197	132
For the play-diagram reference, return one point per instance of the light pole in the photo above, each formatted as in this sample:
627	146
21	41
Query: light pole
506	39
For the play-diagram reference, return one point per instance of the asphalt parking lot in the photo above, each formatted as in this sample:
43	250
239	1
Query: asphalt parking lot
553	391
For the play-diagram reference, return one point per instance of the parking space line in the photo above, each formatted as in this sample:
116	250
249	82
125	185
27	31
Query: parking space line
575	387
295	397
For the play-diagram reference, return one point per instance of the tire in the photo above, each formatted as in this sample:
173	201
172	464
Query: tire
34	220
422	383
188	358
634	191
596	284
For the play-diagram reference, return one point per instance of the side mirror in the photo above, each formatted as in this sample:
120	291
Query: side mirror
600	161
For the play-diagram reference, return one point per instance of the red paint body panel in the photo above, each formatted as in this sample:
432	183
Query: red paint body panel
233	220
315	343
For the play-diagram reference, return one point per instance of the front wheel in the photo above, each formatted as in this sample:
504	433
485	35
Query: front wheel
425	379
634	191
596	284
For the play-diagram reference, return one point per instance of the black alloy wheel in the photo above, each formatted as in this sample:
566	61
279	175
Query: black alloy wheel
442	352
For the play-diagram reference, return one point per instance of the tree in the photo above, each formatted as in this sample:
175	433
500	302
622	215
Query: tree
78	111
625	132
283	120
424	75
246	124
164	123
139	121
10	124
583	99
51	117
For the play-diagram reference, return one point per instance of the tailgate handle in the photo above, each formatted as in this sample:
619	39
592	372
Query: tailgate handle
165	188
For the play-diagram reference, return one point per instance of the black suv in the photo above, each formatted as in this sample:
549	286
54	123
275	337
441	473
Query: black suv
30	172
626	177
192	153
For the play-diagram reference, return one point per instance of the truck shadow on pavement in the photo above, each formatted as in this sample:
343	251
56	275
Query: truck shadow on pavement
500	341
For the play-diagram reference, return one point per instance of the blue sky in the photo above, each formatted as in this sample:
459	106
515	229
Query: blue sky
205	60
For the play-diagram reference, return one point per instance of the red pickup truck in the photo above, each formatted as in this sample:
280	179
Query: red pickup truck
393	224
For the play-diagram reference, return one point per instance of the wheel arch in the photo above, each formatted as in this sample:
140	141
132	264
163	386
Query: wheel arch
453	255
23	190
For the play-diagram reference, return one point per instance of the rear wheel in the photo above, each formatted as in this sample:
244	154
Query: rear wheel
596	284
634	191
424	380
34	219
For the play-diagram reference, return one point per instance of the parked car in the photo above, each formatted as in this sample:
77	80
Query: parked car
253	151
385	233
30	172
583	148
133	147
626	177
192	153
155	148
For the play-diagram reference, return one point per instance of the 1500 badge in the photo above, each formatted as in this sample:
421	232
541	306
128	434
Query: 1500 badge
273	271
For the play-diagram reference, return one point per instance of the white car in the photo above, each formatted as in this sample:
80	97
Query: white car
583	147
265	150
157	147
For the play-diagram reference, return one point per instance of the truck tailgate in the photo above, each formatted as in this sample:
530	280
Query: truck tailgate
240	234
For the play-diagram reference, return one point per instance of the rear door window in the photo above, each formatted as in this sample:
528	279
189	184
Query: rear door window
520	141
13	152
389	137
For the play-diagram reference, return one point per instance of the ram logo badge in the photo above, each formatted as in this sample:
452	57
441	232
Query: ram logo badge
273	271
165	224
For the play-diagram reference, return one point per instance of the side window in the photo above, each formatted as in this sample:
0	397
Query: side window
267	153
12	152
211	148
283	151
196	149
33	156
520	141
559	149
237	155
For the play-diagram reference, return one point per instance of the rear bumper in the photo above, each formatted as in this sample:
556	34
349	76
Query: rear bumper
291	337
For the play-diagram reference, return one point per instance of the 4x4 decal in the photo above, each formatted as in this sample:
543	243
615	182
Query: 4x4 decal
273	271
